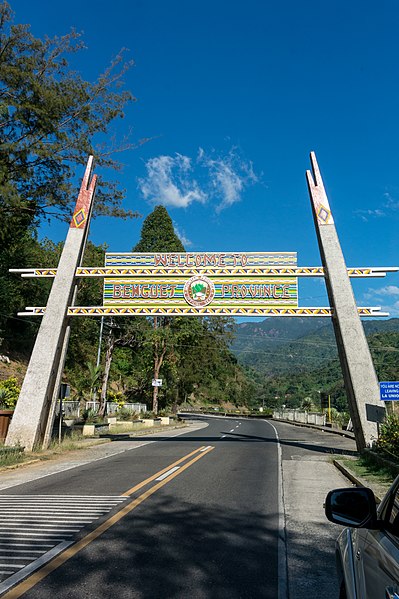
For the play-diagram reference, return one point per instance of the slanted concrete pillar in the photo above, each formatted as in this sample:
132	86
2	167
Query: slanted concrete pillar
360	379
28	425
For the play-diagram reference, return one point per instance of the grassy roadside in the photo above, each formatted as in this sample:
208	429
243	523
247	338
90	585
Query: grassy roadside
9	458
369	473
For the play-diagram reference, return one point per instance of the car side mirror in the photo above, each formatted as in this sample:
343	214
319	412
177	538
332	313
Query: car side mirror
354	507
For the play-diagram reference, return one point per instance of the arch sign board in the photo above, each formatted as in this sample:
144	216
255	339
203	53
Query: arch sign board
206	283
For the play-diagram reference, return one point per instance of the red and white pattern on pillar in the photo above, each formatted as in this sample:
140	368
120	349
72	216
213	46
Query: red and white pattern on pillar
85	198
318	195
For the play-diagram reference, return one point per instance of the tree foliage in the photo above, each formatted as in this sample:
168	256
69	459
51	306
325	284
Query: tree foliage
158	234
291	389
9	392
388	440
25	251
49	119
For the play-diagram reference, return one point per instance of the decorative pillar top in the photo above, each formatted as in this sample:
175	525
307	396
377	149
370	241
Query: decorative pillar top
318	194
85	198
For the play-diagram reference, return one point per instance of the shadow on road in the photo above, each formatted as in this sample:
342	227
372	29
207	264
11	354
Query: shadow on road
168	548
238	438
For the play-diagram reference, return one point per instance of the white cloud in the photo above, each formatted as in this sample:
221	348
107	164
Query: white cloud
388	290
182	236
393	310
389	205
168	182
173	180
391	202
365	214
229	175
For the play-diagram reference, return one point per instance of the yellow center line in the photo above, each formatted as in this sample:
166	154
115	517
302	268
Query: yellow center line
151	478
70	552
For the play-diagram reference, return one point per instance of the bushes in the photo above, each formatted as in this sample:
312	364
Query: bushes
388	440
9	393
126	415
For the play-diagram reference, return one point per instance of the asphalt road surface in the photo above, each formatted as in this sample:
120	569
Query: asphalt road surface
199	515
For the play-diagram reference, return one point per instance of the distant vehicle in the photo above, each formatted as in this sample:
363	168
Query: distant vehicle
367	552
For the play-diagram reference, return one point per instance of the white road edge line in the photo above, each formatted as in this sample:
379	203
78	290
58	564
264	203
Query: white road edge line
18	576
205	448
282	557
168	473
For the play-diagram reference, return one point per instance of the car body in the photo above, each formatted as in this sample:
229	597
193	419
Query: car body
367	550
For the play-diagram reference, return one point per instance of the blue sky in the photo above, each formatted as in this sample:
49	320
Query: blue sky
234	96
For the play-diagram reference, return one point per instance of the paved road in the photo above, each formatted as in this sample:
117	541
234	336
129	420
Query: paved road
198	515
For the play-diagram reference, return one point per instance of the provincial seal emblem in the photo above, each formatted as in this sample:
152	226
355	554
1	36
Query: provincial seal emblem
199	291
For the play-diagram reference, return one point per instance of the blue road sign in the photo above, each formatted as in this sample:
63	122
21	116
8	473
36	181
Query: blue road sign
389	391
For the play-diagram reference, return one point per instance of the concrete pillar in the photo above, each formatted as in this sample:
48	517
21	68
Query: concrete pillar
360	379
31	413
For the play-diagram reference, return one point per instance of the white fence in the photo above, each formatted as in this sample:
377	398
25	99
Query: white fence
301	416
72	409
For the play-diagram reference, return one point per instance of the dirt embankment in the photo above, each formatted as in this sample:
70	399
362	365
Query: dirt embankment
16	368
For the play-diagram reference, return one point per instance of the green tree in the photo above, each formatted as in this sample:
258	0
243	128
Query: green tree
16	292
49	118
94	378
158	234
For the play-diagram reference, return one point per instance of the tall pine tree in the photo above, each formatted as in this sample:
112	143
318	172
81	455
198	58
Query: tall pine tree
158	234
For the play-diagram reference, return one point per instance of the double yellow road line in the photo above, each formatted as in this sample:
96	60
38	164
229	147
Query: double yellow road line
161	478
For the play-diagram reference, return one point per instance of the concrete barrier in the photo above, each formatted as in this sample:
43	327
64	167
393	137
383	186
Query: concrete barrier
88	430
302	416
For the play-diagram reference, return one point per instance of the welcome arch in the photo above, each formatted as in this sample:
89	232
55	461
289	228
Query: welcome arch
192	284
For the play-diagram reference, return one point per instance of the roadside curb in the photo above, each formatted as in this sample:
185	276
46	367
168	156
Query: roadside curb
358	481
86	444
19	465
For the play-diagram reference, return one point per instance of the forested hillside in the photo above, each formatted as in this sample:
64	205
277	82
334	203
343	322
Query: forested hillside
294	362
283	345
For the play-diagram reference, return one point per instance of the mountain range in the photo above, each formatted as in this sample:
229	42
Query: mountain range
285	345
